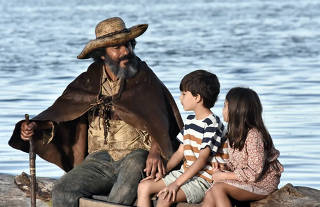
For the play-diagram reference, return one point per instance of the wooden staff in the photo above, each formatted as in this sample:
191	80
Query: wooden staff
32	166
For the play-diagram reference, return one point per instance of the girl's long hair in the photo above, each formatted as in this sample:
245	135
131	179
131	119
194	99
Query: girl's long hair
245	113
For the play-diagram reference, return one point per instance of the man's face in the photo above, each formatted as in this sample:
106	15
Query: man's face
121	60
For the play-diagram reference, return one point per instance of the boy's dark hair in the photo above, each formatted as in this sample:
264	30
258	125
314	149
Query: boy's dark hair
97	53
204	83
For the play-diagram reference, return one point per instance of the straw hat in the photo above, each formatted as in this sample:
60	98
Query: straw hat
112	32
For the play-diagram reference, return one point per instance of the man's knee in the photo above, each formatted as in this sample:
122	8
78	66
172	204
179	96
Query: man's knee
64	186
136	160
58	188
66	194
61	197
124	195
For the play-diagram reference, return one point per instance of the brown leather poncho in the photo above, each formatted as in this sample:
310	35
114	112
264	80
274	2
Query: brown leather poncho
143	102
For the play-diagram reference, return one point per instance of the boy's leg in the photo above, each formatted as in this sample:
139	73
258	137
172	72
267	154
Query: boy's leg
180	197
129	173
218	195
146	189
89	178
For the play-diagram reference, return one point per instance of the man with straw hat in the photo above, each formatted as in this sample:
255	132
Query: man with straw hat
111	124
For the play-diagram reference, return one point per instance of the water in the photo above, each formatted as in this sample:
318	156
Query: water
271	46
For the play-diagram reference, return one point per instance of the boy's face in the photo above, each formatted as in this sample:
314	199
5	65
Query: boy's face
225	111
188	101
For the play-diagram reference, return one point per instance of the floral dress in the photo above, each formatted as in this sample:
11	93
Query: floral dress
248	165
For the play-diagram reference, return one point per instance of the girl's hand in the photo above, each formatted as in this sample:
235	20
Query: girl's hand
223	167
169	192
220	166
218	175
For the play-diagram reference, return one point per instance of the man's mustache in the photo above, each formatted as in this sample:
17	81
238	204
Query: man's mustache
126	57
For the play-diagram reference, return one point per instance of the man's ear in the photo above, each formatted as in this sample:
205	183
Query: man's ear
103	57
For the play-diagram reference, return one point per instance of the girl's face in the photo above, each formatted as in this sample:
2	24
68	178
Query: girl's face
225	111
188	101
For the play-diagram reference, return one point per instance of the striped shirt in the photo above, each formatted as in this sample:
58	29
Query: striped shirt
199	134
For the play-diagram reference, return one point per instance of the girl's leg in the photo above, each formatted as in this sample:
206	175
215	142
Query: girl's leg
208	200
179	198
146	189
218	195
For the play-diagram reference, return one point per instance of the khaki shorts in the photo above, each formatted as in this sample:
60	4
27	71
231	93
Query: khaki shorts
194	189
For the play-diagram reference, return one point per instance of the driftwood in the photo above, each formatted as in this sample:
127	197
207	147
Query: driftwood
14	191
18	195
43	187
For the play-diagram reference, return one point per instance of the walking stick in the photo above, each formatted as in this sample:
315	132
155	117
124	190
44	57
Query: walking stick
32	166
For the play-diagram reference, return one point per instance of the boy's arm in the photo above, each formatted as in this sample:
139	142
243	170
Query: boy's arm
198	165
175	158
171	190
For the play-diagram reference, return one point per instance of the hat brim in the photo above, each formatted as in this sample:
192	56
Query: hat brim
116	39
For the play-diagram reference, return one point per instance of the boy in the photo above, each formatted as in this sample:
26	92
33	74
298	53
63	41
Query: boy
202	142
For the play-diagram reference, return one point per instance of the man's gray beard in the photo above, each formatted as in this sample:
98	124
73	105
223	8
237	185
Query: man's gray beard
129	71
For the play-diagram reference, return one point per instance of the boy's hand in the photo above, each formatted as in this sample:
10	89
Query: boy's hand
169	192
215	166
158	177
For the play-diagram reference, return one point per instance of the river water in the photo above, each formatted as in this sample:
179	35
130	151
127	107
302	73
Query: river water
270	46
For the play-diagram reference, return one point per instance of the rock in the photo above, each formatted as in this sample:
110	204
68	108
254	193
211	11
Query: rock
14	191
289	196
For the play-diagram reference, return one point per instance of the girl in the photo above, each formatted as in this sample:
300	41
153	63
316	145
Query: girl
254	168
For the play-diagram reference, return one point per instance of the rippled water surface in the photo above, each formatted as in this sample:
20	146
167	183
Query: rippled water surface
271	46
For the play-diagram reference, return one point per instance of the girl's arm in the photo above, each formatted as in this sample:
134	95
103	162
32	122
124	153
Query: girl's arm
223	175
256	157
252	170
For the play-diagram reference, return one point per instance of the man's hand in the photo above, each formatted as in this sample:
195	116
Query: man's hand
154	165
27	130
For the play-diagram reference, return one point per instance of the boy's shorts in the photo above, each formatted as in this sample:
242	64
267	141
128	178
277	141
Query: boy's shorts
194	189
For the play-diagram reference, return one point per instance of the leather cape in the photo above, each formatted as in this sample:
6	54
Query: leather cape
143	102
